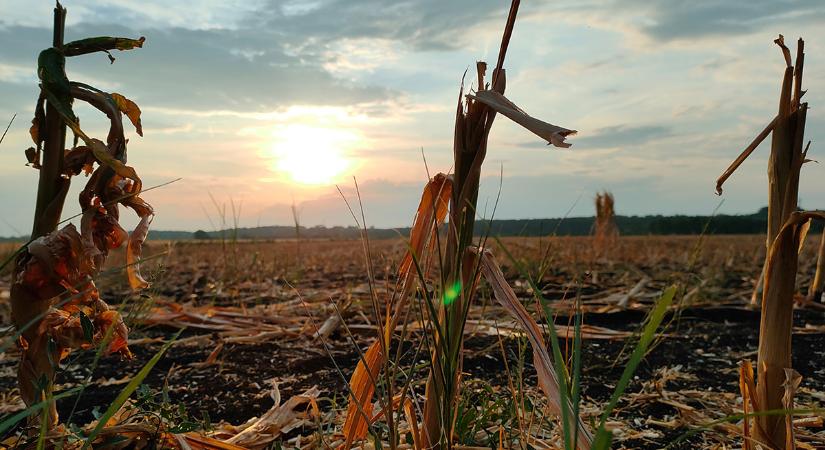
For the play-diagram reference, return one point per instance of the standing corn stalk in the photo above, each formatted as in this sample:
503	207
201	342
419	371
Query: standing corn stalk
474	119
785	234
605	231
459	270
55	304
787	155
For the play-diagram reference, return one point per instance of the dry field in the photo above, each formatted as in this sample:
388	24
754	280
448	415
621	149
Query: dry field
261	324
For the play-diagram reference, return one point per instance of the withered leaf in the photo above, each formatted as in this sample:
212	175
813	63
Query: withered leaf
131	110
553	134
34	131
32	157
362	385
548	381
103	156
134	249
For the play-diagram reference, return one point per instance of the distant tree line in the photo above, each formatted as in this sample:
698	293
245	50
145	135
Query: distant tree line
570	226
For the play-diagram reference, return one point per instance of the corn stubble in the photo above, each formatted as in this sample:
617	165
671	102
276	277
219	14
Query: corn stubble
56	306
787	229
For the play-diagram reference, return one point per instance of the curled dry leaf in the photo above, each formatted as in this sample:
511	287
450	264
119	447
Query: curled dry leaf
136	239
34	130
60	265
258	433
786	52
553	134
131	110
101	44
104	157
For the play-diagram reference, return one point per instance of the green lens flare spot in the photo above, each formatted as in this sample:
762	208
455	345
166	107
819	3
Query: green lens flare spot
452	293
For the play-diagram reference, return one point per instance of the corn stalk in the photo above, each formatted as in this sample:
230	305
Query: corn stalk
785	234
605	231
55	304
775	332
474	119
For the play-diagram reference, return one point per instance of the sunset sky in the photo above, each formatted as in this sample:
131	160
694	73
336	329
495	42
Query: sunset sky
264	102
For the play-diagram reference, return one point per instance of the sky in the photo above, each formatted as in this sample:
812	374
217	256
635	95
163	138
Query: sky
259	104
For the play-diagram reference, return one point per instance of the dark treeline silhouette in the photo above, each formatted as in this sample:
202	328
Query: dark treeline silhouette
571	226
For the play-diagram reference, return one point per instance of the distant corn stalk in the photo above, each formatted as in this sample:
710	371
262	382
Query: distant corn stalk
605	230
785	235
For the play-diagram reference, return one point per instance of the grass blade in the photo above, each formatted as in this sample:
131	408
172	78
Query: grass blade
10	421
648	333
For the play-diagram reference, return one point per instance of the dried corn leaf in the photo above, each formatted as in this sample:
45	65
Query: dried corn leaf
412	421
504	294
786	52
105	158
797	224
134	250
131	110
34	131
362	387
431	212
553	134
279	419
101	44
195	441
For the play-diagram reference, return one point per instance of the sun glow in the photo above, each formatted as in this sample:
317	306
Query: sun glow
312	155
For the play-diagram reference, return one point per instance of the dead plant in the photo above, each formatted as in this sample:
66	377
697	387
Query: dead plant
55	304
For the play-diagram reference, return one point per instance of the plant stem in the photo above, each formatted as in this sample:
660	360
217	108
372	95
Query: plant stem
36	370
776	324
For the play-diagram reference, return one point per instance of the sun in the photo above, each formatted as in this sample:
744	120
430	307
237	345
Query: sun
312	155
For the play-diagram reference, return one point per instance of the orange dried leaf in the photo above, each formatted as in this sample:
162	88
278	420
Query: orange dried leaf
34	131
360	401
131	110
120	333
133	253
412	421
432	210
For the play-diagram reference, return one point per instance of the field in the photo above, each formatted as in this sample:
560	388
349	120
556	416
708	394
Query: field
262	322
435	338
